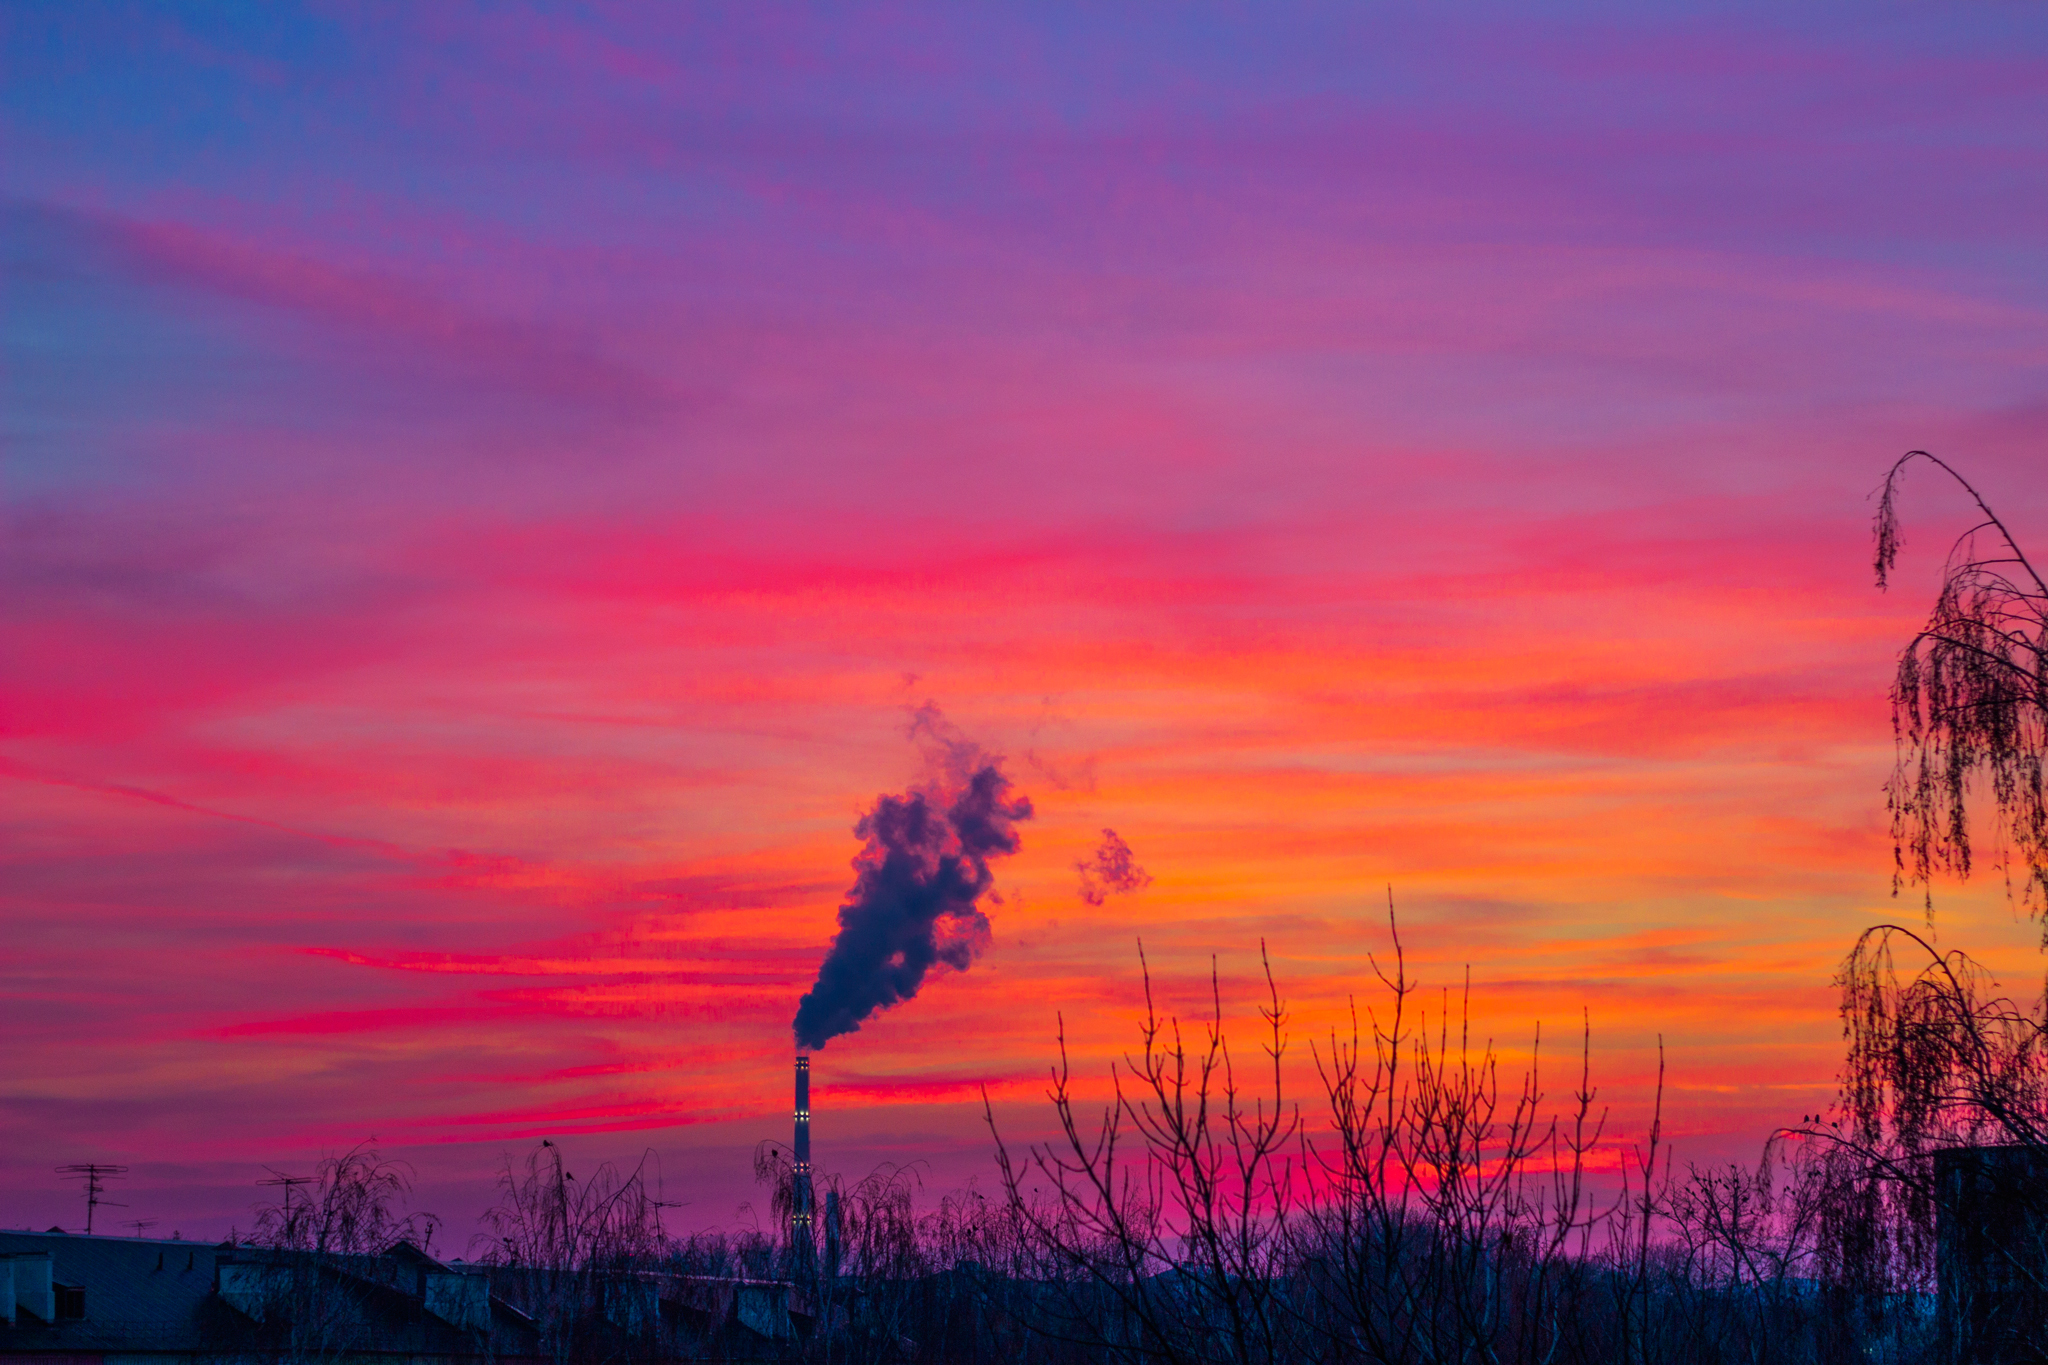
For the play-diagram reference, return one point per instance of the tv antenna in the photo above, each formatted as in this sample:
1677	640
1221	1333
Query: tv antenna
95	1177
290	1182
658	1205
141	1225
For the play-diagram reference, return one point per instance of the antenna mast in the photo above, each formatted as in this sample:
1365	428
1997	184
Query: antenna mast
95	1177
290	1231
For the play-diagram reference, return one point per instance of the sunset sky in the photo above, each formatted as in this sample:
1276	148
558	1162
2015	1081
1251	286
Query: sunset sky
487	491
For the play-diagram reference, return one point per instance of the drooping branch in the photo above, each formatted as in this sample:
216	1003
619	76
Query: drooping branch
1970	706
1938	1063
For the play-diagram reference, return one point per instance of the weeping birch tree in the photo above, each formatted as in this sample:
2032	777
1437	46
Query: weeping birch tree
1970	707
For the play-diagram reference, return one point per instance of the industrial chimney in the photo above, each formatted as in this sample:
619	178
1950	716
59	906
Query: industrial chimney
800	1196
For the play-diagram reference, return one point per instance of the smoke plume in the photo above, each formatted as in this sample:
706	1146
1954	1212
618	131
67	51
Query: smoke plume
916	896
1113	871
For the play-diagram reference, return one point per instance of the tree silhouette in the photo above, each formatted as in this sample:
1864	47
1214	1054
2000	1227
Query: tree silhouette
1970	706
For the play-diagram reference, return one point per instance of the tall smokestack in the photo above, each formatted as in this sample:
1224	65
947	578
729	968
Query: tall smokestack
800	1196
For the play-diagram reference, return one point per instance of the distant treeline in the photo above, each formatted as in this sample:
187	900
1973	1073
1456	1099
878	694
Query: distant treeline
1442	1211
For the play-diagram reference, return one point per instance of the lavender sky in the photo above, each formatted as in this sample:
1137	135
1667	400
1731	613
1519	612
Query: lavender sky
488	488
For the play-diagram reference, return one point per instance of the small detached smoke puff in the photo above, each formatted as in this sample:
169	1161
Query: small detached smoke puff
915	900
1112	871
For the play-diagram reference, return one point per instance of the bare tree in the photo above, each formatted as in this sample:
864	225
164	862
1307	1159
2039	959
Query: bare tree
1969	702
569	1253
1453	1218
1941	1073
308	1305
1442	1212
1751	1273
353	1208
1165	1224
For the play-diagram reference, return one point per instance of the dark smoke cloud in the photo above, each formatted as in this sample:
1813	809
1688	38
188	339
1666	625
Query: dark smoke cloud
920	878
1112	871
